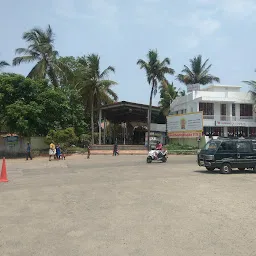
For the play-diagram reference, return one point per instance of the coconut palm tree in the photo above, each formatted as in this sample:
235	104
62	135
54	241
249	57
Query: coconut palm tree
252	84
95	85
3	64
198	73
155	72
40	50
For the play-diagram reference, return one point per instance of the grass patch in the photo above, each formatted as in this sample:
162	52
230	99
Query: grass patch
180	147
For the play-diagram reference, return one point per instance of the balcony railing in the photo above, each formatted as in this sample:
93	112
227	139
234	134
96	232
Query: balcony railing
208	116
229	118
246	117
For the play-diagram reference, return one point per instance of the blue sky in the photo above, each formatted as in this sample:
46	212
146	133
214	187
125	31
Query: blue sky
123	31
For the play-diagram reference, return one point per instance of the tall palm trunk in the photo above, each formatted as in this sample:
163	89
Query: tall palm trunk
92	120
149	114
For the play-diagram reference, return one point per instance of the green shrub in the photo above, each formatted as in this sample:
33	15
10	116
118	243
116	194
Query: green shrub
64	137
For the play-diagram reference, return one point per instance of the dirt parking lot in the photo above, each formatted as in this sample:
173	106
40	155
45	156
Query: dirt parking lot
121	206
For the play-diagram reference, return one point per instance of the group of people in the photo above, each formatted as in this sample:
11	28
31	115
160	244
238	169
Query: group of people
55	152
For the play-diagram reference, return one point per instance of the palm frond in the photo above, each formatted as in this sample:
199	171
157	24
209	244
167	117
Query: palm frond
23	59
38	71
165	62
112	94
3	64
251	83
106	72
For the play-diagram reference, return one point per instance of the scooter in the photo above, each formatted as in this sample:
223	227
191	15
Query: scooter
157	155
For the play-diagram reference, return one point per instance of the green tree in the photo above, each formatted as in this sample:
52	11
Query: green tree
94	85
252	84
198	73
168	93
23	118
16	88
156	71
66	137
40	50
3	64
32	107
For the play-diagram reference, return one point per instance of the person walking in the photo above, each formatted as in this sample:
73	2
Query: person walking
28	155
115	150
52	151
88	151
58	152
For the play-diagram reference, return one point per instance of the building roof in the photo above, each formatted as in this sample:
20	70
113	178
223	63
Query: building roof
128	103
221	86
125	111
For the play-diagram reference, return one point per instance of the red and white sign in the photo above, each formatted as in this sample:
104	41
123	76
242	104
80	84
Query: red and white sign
184	134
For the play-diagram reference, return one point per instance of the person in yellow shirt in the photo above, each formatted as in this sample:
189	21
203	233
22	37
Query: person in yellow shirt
52	151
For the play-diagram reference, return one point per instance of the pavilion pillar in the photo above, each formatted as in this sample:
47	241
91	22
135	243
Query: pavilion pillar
100	117
104	131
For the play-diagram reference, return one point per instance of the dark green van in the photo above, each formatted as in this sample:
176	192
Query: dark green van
227	154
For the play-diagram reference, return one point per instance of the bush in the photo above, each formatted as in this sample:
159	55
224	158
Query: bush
65	137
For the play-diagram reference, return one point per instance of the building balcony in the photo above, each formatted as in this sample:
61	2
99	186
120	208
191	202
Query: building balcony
229	118
221	121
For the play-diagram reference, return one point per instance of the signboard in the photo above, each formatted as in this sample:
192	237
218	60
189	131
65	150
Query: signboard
231	123
193	87
12	140
189	125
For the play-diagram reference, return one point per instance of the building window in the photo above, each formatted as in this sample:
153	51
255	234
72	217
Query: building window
245	110
233	109
214	131
182	111
223	111
207	108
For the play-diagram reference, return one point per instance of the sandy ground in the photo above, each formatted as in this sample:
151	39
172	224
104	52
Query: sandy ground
123	206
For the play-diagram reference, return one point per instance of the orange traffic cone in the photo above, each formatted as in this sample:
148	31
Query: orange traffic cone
3	177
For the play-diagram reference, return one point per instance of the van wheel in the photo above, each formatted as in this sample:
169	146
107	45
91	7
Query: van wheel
210	169
225	169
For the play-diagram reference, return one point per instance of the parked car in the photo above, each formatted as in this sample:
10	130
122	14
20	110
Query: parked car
226	154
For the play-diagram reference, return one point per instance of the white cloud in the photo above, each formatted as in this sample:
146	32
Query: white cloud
198	26
237	9
190	42
103	11
146	14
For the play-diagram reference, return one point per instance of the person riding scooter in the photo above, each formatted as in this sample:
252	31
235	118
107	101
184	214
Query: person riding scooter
159	147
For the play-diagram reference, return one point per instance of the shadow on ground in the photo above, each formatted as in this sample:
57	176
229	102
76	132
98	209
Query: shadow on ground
218	172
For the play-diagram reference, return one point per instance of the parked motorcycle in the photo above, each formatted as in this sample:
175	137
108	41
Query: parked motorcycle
157	155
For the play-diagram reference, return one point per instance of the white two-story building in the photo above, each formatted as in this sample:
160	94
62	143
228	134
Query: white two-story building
226	110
